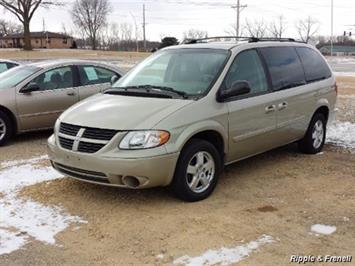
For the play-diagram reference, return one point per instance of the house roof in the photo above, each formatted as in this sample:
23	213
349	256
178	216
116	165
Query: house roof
37	34
340	48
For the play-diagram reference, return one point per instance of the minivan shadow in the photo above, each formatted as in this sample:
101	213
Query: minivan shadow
31	136
164	194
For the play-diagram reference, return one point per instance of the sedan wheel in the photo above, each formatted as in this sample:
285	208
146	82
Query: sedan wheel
2	129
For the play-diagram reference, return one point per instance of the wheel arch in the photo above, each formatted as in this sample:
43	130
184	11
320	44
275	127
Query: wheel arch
212	132
324	109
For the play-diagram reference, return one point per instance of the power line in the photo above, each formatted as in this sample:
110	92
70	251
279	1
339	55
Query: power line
144	39
238	8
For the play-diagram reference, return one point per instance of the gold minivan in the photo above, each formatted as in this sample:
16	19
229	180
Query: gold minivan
185	112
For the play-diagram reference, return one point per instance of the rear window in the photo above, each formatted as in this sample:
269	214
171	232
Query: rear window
314	65
285	67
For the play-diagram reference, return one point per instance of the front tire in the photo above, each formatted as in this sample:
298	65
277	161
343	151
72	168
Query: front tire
314	139
6	128
197	171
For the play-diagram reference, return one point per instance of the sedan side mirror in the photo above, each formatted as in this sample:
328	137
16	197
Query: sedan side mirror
114	78
30	88
238	88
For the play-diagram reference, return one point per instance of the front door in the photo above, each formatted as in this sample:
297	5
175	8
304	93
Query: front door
40	109
252	119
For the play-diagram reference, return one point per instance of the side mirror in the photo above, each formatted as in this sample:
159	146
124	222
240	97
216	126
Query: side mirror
114	79
238	88
30	88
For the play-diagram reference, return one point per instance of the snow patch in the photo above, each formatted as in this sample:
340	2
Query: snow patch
323	229
341	134
344	74
28	161
22	219
10	241
225	256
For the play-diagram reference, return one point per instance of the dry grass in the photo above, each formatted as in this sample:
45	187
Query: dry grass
346	85
346	80
17	54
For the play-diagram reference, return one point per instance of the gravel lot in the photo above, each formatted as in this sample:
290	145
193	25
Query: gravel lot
261	213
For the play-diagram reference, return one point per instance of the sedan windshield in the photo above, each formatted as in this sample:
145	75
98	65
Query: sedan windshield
15	75
188	71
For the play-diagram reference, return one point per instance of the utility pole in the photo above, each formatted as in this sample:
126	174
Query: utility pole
144	39
239	8
332	27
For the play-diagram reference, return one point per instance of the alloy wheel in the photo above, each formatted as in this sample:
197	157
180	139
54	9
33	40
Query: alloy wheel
200	172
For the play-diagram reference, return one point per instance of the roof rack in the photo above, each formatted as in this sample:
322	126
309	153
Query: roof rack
238	38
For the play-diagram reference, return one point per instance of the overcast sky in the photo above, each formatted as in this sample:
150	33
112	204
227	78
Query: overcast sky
173	17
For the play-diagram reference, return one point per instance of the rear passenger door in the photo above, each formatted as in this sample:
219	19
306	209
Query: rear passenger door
252	119
293	98
94	79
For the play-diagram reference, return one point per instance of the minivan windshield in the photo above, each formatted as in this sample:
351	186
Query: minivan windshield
15	75
183	71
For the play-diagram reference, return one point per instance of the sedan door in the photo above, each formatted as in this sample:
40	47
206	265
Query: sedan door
40	109
252	119
94	79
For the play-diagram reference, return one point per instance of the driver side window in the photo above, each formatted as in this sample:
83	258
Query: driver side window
247	66
59	78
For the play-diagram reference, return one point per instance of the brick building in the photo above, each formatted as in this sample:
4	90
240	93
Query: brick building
38	40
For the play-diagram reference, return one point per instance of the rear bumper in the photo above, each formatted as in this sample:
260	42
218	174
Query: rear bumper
112	171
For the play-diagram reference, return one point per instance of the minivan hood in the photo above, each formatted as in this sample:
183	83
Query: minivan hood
121	112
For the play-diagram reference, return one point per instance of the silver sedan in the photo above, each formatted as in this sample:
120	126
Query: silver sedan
32	96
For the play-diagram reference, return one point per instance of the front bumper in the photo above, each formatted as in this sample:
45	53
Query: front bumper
112	171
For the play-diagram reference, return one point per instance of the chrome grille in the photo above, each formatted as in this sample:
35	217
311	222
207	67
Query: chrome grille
68	129
89	147
96	133
66	143
84	139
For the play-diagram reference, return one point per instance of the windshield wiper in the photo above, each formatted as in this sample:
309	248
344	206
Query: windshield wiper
164	88
150	89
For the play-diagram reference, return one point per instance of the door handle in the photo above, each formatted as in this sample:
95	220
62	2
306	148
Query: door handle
270	108
282	106
71	93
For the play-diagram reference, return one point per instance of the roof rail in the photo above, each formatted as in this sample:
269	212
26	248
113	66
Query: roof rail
238	38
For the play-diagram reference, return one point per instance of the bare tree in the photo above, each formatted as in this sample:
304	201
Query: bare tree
91	16
24	11
126	30
9	27
195	34
307	28
277	28
256	28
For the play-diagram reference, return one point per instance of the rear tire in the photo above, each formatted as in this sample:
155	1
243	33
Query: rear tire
6	128
314	139
197	171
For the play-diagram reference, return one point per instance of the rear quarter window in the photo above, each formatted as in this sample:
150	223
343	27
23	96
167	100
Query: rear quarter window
285	67
314	65
3	67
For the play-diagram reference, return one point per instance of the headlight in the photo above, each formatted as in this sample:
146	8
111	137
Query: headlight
144	139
